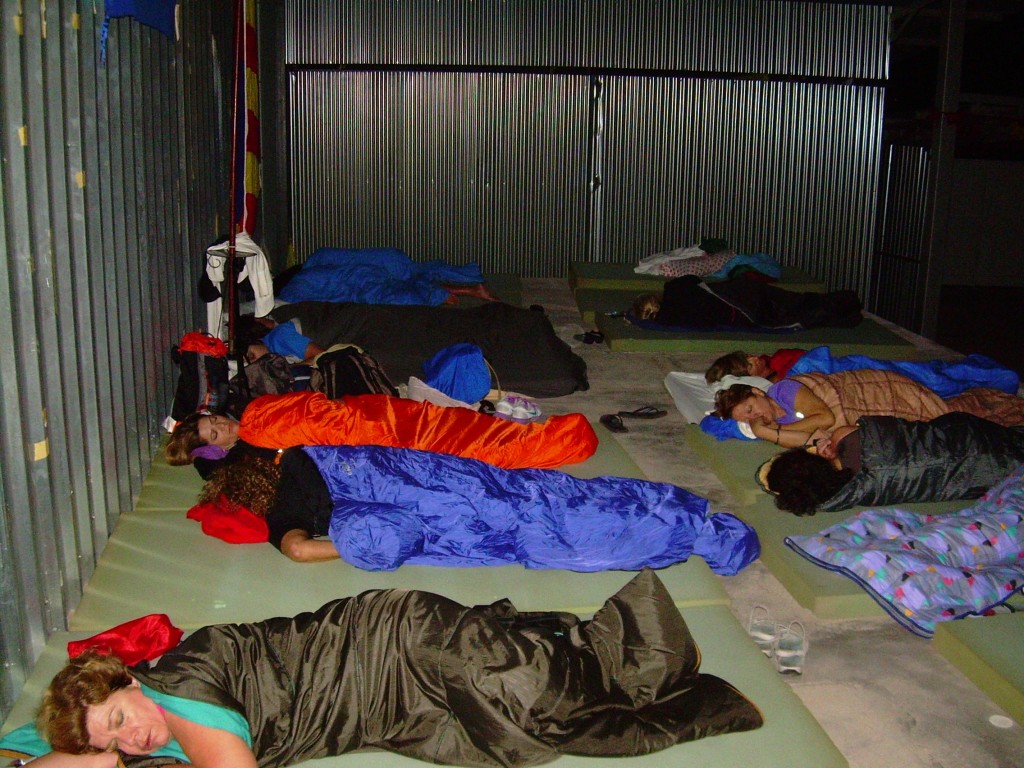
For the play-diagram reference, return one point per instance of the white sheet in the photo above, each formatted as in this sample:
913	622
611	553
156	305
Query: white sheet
695	398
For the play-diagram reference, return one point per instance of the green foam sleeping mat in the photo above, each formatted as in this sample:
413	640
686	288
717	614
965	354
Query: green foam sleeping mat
158	561
829	595
617	276
868	338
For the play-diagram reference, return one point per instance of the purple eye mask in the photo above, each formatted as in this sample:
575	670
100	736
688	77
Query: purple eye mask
211	452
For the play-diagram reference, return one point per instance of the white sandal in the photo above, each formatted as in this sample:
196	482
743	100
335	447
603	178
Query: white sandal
791	646
764	631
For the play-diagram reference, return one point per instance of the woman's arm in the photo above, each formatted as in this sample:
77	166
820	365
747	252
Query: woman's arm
208	747
303	548
64	760
816	414
785	436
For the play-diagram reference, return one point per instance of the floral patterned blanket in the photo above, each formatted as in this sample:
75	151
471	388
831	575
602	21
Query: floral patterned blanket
924	569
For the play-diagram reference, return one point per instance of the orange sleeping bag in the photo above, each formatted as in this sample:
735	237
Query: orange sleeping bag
309	418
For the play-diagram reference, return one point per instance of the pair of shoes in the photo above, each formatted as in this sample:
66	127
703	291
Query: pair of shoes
647	412
518	408
786	644
590	337
614	423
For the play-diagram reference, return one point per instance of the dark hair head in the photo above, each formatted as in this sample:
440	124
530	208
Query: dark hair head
250	483
733	364
801	481
727	399
86	681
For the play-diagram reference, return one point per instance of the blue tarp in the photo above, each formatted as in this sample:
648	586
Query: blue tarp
398	505
375	276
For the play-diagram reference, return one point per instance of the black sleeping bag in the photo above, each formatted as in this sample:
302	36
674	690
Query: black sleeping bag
520	344
955	456
745	302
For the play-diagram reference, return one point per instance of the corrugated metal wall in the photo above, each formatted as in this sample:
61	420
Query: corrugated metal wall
107	193
898	267
524	135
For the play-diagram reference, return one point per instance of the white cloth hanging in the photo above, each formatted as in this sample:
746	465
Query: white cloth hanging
254	266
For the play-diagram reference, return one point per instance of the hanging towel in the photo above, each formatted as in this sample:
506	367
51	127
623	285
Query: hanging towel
255	267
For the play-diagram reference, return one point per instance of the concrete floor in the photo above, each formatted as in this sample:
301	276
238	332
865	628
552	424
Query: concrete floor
886	697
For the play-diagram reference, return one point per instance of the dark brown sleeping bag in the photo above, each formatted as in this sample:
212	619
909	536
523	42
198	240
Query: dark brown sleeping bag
415	673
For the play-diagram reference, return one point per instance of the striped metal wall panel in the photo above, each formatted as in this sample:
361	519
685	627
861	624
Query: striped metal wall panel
743	36
787	169
614	129
455	178
103	202
897	273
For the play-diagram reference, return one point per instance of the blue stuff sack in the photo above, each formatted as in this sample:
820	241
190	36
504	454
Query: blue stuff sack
459	371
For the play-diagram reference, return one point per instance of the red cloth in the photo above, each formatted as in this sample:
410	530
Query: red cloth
784	359
137	640
197	341
229	522
309	418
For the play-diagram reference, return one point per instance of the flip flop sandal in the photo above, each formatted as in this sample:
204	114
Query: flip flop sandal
647	412
614	423
590	337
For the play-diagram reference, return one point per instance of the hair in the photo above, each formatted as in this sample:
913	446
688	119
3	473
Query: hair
727	399
184	439
250	483
733	364
646	306
86	681
801	481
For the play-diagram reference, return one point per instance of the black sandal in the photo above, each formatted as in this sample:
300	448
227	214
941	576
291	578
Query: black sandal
590	337
614	423
647	412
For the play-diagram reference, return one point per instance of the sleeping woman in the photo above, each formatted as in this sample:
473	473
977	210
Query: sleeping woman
400	670
884	460
379	508
309	418
793	410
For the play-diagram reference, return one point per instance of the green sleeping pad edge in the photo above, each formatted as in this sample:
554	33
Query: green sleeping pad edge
869	338
988	650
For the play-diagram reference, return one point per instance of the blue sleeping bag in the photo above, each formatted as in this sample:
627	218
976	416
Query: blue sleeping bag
375	276
398	505
943	378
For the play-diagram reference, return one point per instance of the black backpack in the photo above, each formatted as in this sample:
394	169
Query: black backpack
349	371
202	383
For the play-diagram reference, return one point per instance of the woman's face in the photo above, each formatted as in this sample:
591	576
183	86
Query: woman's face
218	430
128	721
756	408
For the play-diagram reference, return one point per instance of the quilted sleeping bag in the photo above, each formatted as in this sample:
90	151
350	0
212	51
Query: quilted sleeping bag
955	456
309	418
393	507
